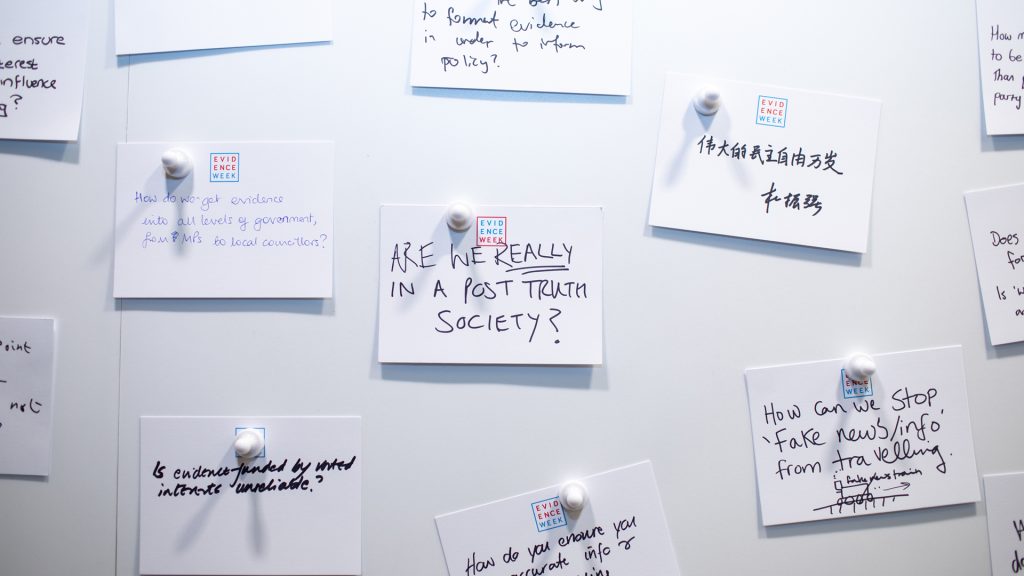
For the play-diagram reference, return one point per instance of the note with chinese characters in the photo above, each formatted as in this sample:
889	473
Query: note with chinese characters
620	530
1001	51
996	231
42	69
573	46
899	440
295	508
774	164
522	286
27	348
253	220
143	26
1004	507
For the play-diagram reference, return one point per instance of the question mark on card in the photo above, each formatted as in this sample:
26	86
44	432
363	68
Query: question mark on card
174	236
494	57
552	320
323	240
17	99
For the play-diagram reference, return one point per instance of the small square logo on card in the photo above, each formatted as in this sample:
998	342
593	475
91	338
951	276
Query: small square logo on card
491	230
548	514
856	388
224	166
772	110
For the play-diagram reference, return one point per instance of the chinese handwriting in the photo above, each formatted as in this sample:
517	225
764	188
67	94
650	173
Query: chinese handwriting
768	154
791	201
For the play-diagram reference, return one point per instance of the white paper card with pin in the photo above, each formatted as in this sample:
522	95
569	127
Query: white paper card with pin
1004	508
996	232
143	26
581	47
521	285
42	71
765	162
1001	54
292	505
828	446
620	529
224	220
27	356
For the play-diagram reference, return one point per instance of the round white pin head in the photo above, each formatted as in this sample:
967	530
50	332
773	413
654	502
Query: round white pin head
573	496
708	100
248	443
460	217
860	367
177	163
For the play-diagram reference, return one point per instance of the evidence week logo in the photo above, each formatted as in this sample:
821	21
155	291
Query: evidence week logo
856	388
224	166
772	110
548	514
491	230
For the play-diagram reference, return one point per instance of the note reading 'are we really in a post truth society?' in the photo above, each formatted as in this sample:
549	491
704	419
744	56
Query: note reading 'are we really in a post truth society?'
523	285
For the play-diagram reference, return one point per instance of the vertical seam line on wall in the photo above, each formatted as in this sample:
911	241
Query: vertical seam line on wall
120	354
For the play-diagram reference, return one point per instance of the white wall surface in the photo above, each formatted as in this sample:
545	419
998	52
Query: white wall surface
56	222
685	313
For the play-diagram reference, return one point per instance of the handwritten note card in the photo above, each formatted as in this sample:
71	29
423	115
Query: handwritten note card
143	26
621	530
26	395
42	70
295	509
522	286
1004	506
899	441
575	46
253	220
1001	50
996	230
774	163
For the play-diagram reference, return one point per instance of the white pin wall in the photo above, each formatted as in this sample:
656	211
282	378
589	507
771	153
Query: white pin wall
685	313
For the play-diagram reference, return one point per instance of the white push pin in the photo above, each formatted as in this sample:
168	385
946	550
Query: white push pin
460	217
248	443
177	163
573	496
707	100
860	367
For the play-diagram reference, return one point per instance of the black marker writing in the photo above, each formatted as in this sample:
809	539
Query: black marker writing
769	154
248	477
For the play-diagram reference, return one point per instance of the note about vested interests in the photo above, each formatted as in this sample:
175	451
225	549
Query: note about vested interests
293	508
